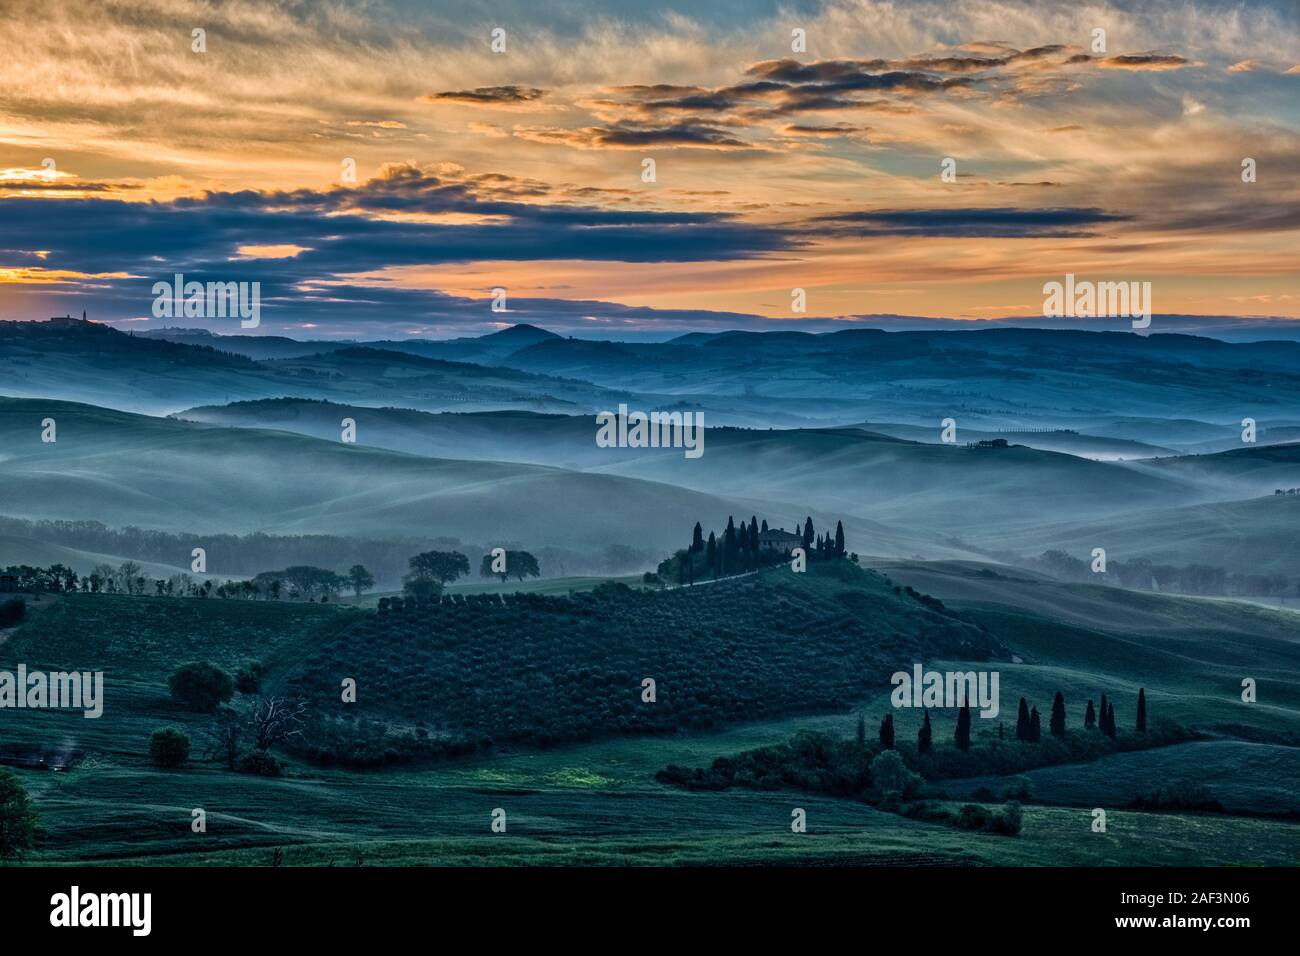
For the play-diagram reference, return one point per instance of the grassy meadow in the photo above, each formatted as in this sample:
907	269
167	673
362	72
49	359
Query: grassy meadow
597	801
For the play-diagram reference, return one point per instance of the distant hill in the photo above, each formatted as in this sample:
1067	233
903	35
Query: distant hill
942	488
126	469
250	346
81	361
987	379
1067	442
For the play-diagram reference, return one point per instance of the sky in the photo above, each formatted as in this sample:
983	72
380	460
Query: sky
380	169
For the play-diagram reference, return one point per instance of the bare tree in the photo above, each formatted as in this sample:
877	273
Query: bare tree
273	720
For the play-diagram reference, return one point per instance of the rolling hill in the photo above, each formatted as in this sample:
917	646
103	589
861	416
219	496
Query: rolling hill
73	360
126	469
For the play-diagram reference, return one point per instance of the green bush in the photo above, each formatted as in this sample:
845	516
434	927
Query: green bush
169	747
890	775
18	820
261	763
201	686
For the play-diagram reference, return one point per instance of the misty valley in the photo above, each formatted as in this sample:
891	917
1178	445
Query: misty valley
960	583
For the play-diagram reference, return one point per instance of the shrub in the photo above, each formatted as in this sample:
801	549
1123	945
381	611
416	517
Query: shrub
261	763
890	775
972	816
248	680
18	821
12	612
1010	820
1018	788
169	747
201	686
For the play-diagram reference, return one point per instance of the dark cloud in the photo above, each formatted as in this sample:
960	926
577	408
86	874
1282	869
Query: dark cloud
1001	223
636	136
488	96
1143	61
340	235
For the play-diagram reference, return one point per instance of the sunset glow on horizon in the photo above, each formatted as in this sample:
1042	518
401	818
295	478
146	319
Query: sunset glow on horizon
379	169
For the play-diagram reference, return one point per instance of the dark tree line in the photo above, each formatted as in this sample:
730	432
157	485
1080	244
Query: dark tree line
1101	718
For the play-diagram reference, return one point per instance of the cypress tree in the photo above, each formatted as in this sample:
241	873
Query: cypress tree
1022	721
1101	714
887	732
1035	727
1142	710
924	736
1089	717
1110	721
711	555
753	534
839	539
697	540
963	728
729	549
807	533
1057	725
764	526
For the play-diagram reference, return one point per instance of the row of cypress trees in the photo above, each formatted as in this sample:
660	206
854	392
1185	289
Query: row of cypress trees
1028	723
1029	728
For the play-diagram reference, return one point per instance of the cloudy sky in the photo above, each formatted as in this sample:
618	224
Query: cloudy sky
126	156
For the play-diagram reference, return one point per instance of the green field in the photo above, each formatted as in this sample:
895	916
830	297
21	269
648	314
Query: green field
598	802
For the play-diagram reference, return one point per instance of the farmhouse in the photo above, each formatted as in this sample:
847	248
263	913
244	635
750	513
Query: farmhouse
779	540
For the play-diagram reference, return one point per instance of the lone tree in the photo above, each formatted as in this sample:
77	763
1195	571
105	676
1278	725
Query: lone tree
887	732
201	686
224	735
1057	725
1141	725
360	579
18	820
517	564
1022	721
169	747
441	566
1090	717
963	728
924	736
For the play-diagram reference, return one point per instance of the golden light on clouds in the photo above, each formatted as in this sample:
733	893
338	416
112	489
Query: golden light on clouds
744	133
